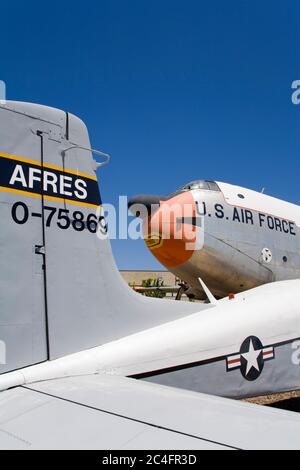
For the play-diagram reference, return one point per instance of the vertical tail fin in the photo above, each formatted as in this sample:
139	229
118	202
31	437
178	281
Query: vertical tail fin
60	291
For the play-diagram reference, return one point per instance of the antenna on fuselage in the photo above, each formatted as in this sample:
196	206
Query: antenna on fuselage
208	293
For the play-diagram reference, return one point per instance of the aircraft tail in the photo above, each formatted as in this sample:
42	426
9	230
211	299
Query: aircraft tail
60	290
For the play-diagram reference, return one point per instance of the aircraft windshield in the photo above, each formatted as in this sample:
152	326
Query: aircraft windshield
201	184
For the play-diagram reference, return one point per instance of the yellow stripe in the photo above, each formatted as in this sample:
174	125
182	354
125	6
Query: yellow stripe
51	167
50	198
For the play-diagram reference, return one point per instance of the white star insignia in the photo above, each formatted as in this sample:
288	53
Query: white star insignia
252	358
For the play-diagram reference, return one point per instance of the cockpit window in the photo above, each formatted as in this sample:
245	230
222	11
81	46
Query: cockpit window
201	184
213	186
198	184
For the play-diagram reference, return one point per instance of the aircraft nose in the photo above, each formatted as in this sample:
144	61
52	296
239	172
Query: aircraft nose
170	232
150	202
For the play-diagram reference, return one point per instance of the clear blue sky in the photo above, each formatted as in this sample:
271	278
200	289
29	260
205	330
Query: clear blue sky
174	90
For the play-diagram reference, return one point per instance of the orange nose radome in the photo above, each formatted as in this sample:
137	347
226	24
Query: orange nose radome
170	232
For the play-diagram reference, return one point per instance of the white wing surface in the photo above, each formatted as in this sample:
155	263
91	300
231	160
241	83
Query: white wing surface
103	412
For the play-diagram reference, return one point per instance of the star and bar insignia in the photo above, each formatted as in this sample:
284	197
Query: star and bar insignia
251	358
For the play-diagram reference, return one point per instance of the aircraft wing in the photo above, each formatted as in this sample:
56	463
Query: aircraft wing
106	412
